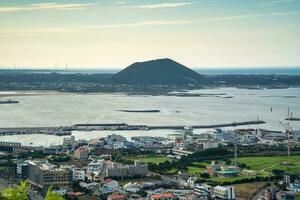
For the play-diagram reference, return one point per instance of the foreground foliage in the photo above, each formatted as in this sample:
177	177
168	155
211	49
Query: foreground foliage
21	192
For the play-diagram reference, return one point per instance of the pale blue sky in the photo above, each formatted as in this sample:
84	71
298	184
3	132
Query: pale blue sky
115	33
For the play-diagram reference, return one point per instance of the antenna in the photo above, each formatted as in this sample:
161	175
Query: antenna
289	136
235	151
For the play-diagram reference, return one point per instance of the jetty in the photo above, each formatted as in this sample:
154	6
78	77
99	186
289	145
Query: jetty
67	130
292	119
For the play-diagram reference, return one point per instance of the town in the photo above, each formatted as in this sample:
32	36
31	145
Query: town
216	164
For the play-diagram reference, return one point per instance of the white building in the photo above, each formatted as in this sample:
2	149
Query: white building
210	144
78	174
223	192
118	170
95	167
132	187
69	142
202	190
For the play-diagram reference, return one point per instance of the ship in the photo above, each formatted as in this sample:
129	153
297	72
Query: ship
9	101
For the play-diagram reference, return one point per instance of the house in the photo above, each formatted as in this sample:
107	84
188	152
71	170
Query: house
78	174
163	196
202	190
223	192
284	195
81	153
117	197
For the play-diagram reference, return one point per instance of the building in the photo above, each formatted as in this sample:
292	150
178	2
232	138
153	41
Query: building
132	187
95	167
202	190
43	174
284	195
223	192
69	142
52	149
206	143
163	196
81	153
117	197
181	152
22	170
118	170
78	174
223	170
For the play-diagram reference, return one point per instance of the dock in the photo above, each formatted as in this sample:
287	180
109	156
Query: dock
292	119
67	130
234	124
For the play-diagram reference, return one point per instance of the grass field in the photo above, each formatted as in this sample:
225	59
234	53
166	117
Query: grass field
149	159
198	167
289	164
247	190
262	165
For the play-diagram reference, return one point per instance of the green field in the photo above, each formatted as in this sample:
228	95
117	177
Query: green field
267	164
149	159
197	167
262	165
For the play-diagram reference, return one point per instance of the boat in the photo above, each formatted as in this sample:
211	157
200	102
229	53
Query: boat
9	101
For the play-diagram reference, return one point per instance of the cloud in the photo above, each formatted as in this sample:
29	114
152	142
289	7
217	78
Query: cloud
22	32
273	3
18	32
247	16
165	5
46	6
123	2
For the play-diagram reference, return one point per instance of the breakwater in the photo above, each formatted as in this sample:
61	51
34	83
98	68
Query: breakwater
67	130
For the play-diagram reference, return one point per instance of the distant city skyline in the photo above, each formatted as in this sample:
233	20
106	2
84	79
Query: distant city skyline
115	33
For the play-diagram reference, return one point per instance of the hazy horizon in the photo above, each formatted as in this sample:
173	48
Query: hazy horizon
116	33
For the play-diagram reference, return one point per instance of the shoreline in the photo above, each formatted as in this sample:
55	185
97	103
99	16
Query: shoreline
179	93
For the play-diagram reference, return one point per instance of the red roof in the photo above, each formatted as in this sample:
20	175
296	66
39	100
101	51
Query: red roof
74	193
117	196
164	195
108	180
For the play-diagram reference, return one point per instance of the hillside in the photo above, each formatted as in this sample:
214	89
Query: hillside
157	72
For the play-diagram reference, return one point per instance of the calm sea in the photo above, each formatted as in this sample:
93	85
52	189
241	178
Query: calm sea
58	109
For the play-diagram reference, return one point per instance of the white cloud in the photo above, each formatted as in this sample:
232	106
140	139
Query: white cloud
238	17
22	32
46	6
123	2
165	5
273	3
18	32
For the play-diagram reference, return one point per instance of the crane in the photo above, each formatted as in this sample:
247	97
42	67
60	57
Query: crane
289	135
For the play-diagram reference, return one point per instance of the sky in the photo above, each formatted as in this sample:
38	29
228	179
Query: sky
103	34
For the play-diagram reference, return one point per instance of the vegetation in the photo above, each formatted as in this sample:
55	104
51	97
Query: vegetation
149	159
60	158
52	195
21	192
288	164
248	190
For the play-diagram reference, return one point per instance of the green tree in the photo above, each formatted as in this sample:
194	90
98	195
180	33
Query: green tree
52	195
19	193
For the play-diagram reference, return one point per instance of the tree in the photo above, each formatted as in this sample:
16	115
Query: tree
52	195
19	193
205	175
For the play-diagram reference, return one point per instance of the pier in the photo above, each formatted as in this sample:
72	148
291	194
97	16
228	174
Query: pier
59	131
210	126
67	130
292	119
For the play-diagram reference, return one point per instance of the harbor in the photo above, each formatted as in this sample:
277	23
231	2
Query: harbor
67	130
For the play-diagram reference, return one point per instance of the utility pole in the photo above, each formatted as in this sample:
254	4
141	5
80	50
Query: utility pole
235	151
